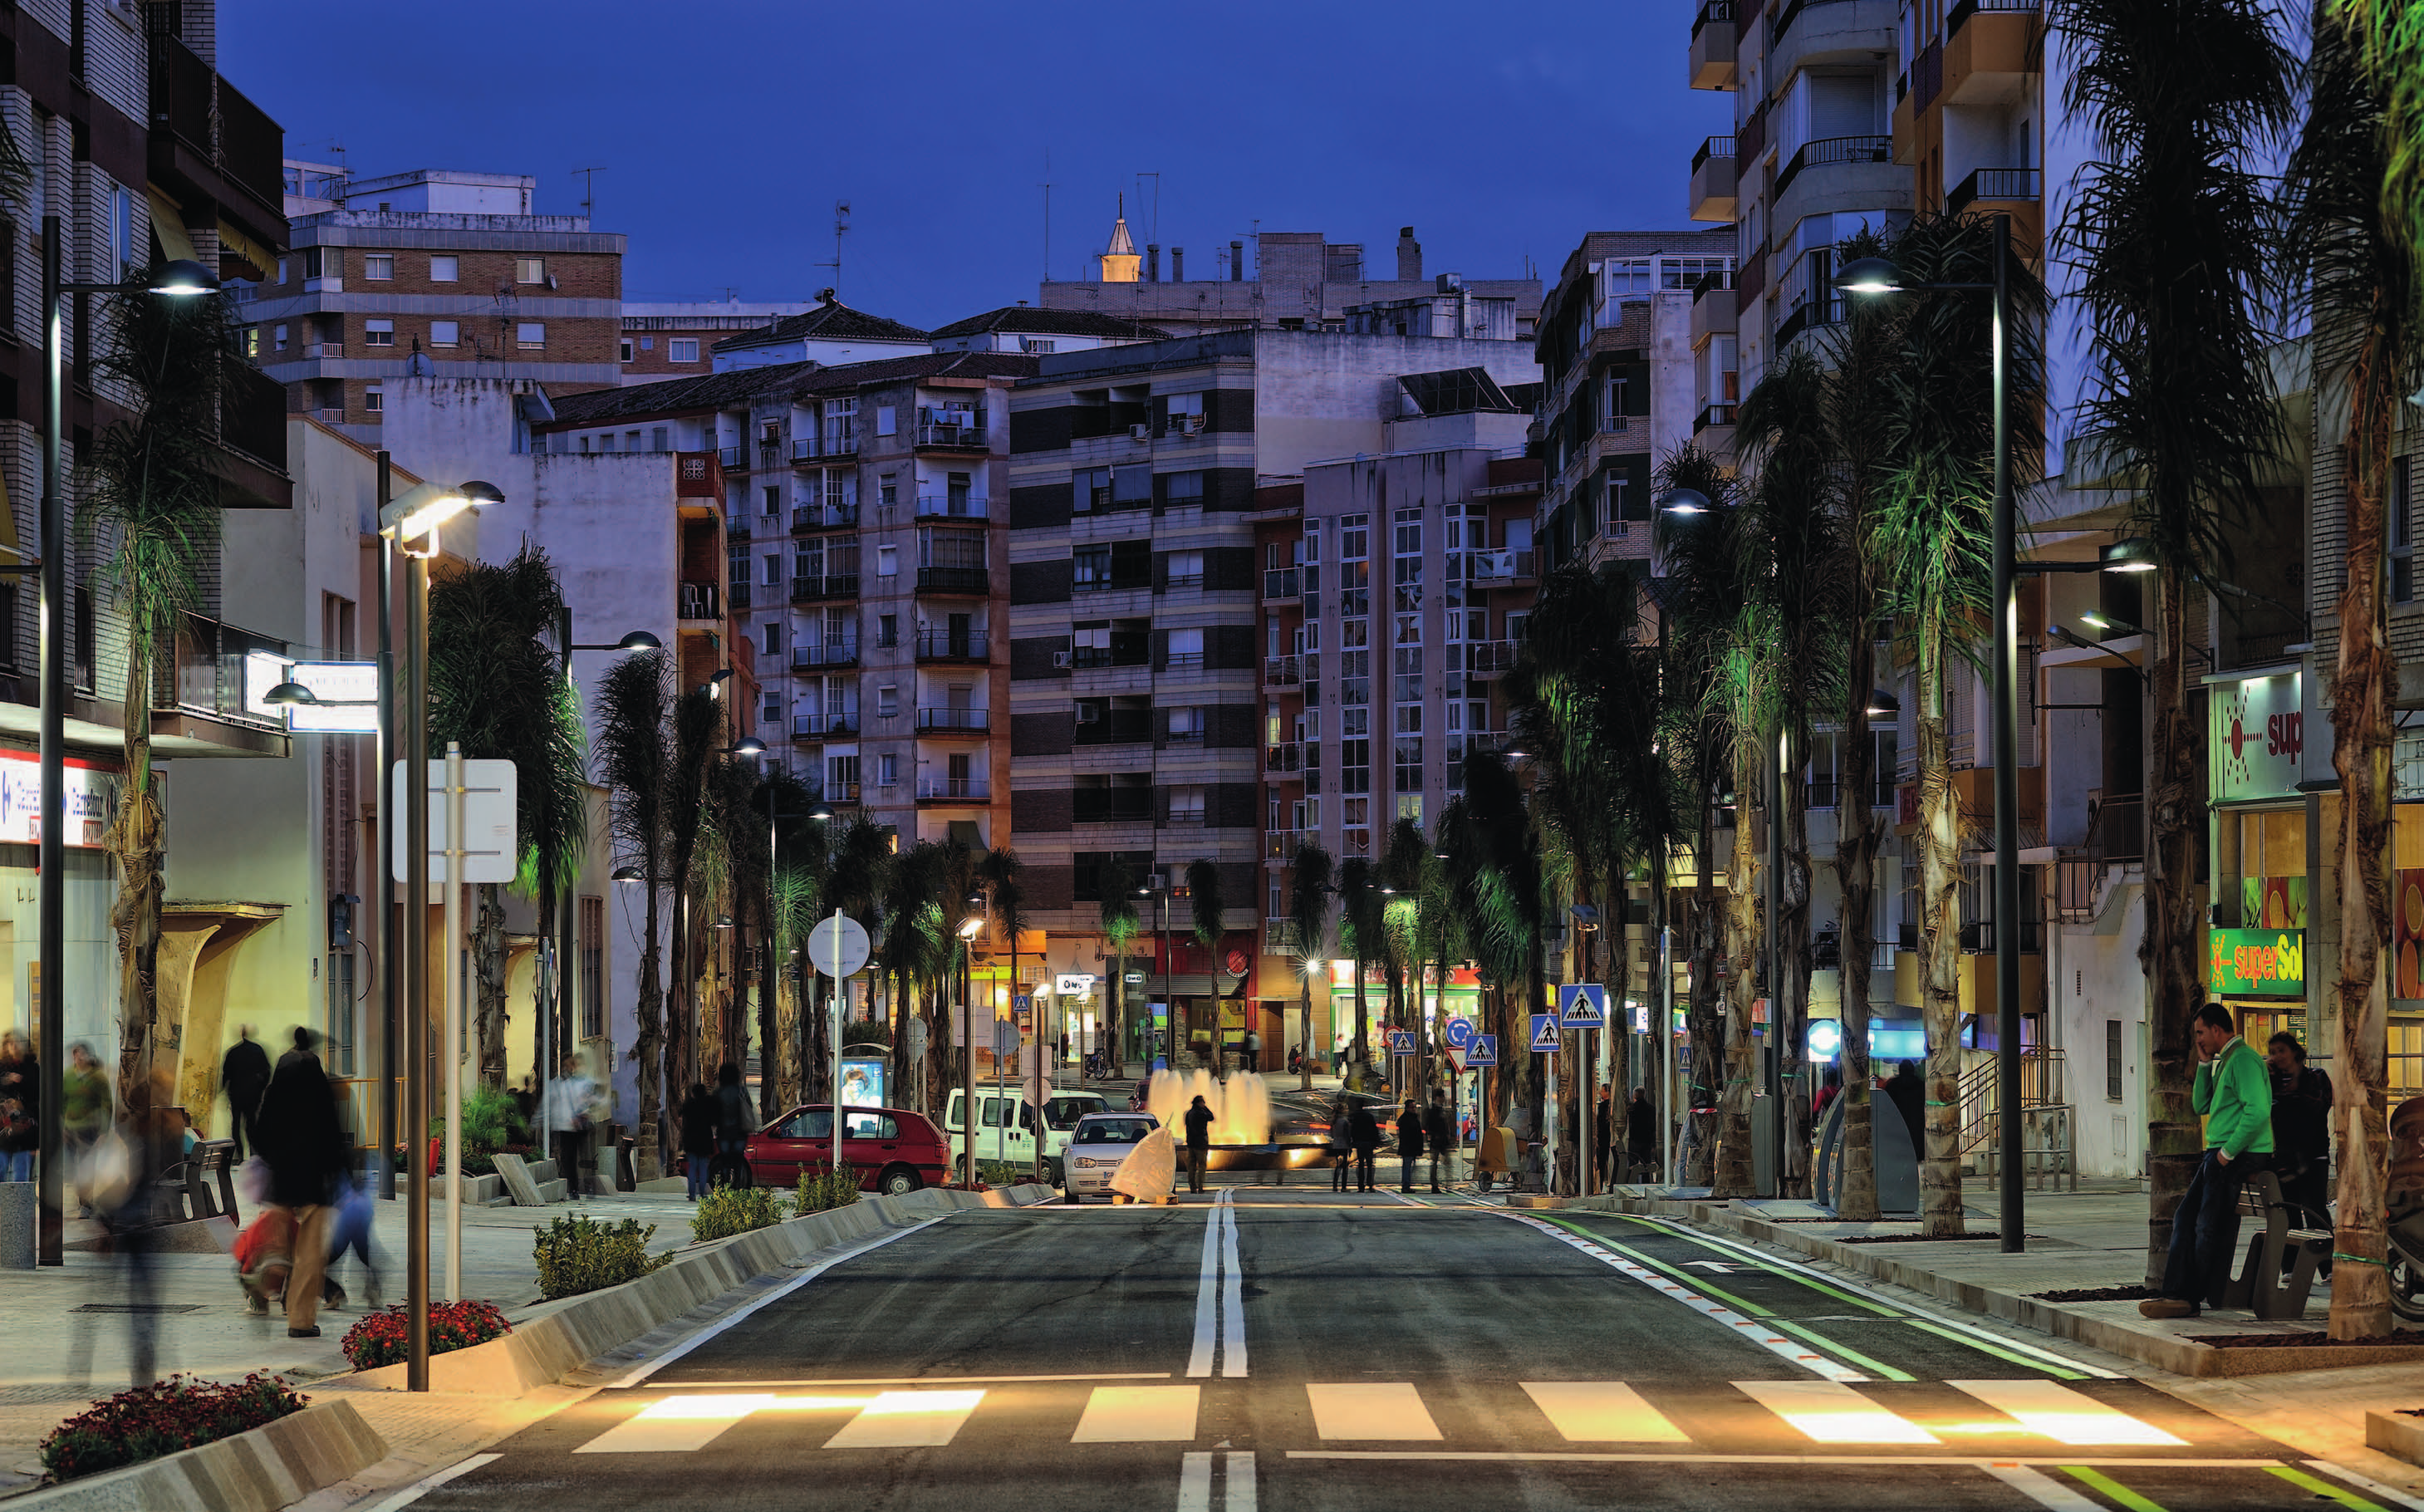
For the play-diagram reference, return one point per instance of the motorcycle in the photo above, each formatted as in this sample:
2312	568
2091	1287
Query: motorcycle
2403	1204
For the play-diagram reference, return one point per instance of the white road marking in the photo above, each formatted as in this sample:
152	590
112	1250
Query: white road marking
737	1315
2042	1488
1140	1414
2325	1467
1380	1411
675	1425
1241	1489
1219	1294
1586	1457
908	1419
1195	1483
798	1384
1602	1412
427	1484
1232	1297
1207	1295
2065	1416
1832	1412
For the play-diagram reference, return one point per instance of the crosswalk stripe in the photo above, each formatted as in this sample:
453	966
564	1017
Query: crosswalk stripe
1373	1411
1138	1414
675	1425
1831	1412
1602	1412
908	1419
2061	1414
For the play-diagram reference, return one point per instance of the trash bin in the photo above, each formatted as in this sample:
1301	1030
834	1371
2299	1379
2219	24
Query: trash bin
19	1217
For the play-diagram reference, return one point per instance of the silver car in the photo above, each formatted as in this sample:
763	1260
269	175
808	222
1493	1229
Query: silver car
1100	1142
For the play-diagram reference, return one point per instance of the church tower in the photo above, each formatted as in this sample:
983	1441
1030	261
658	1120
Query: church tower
1120	263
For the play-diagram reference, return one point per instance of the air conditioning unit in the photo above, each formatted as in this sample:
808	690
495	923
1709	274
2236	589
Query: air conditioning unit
1194	423
1062	660
1139	432
1157	881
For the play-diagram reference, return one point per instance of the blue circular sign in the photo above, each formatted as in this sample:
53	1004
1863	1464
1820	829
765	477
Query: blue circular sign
1825	1039
1459	1032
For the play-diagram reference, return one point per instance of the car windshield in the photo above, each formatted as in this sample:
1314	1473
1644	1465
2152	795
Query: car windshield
1113	1131
1064	1112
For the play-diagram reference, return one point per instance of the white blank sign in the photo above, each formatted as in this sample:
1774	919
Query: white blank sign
487	820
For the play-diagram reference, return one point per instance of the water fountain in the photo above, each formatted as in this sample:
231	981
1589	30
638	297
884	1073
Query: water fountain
1241	1120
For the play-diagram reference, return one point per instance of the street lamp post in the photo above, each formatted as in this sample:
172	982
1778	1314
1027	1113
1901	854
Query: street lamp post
178	279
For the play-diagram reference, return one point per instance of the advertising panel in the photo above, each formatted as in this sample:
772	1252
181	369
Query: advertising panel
2257	964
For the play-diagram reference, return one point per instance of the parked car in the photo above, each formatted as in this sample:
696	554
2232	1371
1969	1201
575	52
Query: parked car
892	1149
1011	1137
1096	1146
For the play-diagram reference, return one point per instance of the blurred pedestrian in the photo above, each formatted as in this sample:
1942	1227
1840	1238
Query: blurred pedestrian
83	1116
1409	1143
128	1196
1907	1091
1341	1140
2301	1131
1199	1143
1365	1133
698	1137
244	1075
298	1135
1607	1140
1439	1137
351	1233
569	1099
733	1125
1641	1131
20	1107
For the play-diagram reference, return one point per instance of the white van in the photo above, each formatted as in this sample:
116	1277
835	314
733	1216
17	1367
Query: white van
1011	1138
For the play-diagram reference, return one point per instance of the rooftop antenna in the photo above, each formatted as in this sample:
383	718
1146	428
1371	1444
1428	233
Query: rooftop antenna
841	224
1047	188
588	178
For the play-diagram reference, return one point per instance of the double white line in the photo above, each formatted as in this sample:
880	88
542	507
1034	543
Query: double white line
1220	1295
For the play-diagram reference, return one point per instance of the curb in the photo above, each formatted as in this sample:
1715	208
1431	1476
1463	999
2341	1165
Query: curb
567	1334
2400	1438
2181	1357
275	1465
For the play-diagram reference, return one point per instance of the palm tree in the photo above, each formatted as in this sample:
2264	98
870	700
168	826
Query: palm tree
919	951
1403	864
1494	860
1360	932
998	872
498	687
1205	906
151	503
1309	895
697	738
798	879
738	870
635	702
1115	909
2167	234
2364	278
859	868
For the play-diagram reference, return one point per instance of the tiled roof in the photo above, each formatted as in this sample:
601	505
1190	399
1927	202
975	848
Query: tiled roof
832	321
720	391
1028	320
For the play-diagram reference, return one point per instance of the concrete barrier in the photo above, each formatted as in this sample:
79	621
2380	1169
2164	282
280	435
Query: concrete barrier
19	1216
270	1467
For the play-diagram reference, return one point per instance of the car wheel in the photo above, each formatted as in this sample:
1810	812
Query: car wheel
1056	1173
898	1181
1070	1197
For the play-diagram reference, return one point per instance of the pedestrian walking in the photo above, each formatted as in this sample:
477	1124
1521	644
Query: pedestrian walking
350	1233
698	1137
244	1075
1641	1131
1409	1143
1439	1137
1199	1143
83	1116
1367	1137
733	1125
1907	1091
569	1099
20	1107
2234	1094
1341	1140
1607	1140
128	1204
2301	1131
299	1136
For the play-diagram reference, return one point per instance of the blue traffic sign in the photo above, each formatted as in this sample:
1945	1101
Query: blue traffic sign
1023	1002
1459	1033
1482	1052
1583	1005
1544	1034
1401	1043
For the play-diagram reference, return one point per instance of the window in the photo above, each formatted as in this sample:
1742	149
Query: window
529	270
771	711
1036	345
1185	571
888	630
887	699
1181	489
1185	805
772	504
445	269
771	569
1090	489
660	439
774	639
592	950
530	333
375	400
1187	725
1186	648
378	266
1091	567
887	770
888	490
252	342
626	349
682	349
323	263
887	561
648	343
445	333
887	421
277	339
2113	1060
378	333
2399	516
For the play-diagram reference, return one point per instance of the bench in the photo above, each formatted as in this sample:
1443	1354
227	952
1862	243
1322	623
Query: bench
2259	1285
190	1180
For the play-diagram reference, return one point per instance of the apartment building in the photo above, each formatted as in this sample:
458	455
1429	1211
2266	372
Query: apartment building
675	338
1157	493
1025	329
1295	280
448	264
1623	384
829	332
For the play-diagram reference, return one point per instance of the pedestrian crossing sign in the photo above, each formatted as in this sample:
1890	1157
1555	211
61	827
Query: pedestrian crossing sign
1401	1043
1583	1005
1544	1034
1483	1051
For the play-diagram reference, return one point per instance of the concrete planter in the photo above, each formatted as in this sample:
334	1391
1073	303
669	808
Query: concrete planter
271	1467
20	1215
2400	1438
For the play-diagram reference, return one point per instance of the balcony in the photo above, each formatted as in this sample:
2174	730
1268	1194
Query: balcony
824	518
842	446
205	674
831	585
1489	658
805	449
1180	582
831	724
733	458
953	506
1504	566
1182	662
1806	32
699	601
944	645
968	789
1279	583
738	597
811	656
209	143
1714	32
251	460
1281	845
1283	672
1834	151
698	475
2019	193
1119	727
1713	306
2116	828
1714	415
1282	759
1990	48
1713	181
960	581
1112	806
322	351
1127	650
1279	934
951	721
952	430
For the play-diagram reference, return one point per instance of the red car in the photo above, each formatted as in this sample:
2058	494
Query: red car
892	1149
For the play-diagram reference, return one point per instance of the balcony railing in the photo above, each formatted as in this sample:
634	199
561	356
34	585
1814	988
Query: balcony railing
189	100
952	721
825	725
1502	566
1281	845
1832	151
732	458
946	645
954	581
825	516
698	601
1963	10
1281	582
1182	660
316	351
1786	17
831	585
1120	727
1995	184
1181	582
807	655
1283	671
252	412
1714	415
952	506
962	432
206	673
738	598
1286	756
1714	147
1279	934
1489	656
970	789
2116	828
1112	806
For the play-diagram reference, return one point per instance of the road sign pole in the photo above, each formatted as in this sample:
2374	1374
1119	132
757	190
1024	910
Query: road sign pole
452	965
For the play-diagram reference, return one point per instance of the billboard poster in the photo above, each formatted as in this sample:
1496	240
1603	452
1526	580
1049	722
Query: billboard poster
861	1082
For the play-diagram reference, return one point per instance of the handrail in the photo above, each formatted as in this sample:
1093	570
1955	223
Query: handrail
1829	151
1714	147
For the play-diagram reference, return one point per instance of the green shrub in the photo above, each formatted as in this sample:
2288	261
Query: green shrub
824	1190
577	1255
181	1413
490	1119
384	1337
867	1032
1003	1173
729	1210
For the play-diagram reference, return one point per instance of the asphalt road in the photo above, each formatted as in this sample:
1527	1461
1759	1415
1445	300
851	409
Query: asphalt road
1269	1350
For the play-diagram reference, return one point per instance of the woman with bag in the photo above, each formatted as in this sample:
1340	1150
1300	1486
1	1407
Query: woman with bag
21	1104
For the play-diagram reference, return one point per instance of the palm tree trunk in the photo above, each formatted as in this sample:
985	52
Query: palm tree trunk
2174	1138
1856	862
488	973
1362	1038
648	1037
1789	1006
1940	826
1705	1017
134	840
1735	1169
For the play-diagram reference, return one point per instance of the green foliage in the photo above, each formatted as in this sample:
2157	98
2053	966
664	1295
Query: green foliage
866	1031
1000	1173
576	1254
181	1412
822	1191
1204	904
725	1211
491	1118
385	1338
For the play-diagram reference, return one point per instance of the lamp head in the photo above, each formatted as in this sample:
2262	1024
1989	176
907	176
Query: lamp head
723	921
2135	554
2097	619
1685	502
626	874
639	641
972	926
185	279
820	812
749	745
1869	275
290	692
1882	703
421	508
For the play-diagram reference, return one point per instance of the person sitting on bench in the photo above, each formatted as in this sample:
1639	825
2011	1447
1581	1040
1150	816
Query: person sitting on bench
2235	1093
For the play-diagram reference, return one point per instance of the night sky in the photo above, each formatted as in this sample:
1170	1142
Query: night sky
726	130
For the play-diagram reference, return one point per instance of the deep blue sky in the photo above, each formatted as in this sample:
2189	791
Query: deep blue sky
727	130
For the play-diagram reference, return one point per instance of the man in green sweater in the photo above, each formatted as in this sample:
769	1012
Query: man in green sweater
2234	1095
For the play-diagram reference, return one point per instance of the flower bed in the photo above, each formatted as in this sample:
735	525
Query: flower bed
181	1413
385	1338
